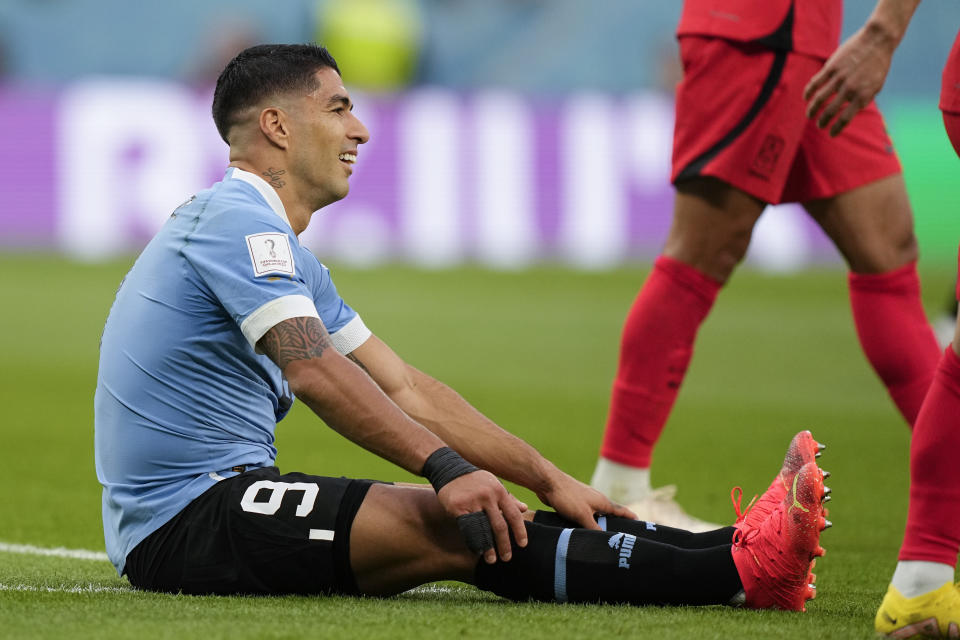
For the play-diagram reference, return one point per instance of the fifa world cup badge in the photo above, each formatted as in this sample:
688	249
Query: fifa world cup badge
270	253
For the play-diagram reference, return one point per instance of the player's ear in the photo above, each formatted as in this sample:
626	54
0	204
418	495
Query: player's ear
274	124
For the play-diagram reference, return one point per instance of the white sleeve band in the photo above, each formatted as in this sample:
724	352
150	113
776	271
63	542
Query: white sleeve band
275	312
350	336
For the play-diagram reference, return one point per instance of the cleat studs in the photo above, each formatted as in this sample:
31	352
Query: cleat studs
826	498
827	524
821	446
827	490
817	454
824	473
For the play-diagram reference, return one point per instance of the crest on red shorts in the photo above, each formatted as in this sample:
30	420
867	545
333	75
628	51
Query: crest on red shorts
766	159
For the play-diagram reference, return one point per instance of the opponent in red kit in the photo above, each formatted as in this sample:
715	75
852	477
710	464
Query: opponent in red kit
921	599
742	141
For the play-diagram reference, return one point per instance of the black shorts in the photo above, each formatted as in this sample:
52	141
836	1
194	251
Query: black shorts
256	533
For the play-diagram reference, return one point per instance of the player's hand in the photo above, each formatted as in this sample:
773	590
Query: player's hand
580	503
849	80
480	491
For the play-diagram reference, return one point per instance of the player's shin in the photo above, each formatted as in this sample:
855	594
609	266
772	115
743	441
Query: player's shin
580	565
648	530
656	347
895	334
933	519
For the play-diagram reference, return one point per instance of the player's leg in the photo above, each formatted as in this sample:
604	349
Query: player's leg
646	530
265	533
921	597
401	538
709	236
872	226
852	185
731	154
425	545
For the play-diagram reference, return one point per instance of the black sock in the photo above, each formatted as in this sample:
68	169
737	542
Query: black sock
580	565
668	535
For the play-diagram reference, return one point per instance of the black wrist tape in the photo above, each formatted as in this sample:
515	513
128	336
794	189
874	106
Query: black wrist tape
476	530
445	465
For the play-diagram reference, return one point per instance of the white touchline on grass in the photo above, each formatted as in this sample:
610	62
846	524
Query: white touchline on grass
58	552
431	588
66	588
94	588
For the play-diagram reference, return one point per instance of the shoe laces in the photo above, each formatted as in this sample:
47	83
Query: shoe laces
741	540
736	497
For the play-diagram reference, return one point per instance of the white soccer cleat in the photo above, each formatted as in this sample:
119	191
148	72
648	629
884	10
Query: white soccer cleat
661	507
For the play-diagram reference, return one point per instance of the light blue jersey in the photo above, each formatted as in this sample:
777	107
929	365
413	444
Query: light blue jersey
181	395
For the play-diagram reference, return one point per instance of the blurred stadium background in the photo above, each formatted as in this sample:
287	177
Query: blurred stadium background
504	132
499	224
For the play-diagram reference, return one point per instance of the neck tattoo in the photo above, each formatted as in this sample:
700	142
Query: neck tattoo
273	177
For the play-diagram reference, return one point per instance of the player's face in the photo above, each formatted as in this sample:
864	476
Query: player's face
329	135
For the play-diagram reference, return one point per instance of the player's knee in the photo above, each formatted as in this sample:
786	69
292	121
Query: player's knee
730	258
906	247
721	263
886	253
717	259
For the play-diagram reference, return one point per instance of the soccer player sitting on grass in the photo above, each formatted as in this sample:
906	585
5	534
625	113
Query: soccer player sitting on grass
225	317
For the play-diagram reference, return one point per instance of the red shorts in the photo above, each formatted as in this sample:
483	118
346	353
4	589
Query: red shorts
740	118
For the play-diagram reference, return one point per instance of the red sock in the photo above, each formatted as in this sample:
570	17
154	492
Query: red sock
933	519
895	334
655	350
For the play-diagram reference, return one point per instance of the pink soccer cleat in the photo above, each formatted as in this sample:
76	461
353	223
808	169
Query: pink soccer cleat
775	558
803	449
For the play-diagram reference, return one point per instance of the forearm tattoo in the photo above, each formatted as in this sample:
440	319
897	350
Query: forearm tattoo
295	339
273	177
357	362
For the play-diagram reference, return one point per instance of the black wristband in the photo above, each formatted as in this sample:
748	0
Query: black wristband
445	465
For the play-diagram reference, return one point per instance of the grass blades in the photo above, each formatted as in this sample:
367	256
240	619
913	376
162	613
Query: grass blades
534	350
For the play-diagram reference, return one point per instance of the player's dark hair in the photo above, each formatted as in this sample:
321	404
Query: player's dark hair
265	70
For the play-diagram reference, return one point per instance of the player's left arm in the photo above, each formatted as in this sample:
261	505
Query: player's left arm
477	438
856	71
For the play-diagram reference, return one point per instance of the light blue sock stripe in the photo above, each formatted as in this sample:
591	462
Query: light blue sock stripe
560	566
602	521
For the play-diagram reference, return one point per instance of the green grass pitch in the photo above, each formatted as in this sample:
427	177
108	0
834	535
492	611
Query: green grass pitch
536	351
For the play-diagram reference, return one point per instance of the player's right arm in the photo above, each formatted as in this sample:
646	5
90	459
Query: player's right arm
856	71
352	404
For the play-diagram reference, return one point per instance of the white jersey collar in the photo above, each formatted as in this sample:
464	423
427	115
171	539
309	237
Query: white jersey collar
269	193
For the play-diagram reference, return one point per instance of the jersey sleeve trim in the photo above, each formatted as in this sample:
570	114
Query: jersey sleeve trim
350	336
273	313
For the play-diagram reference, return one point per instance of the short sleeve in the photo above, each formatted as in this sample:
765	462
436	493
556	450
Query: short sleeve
346	328
249	261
